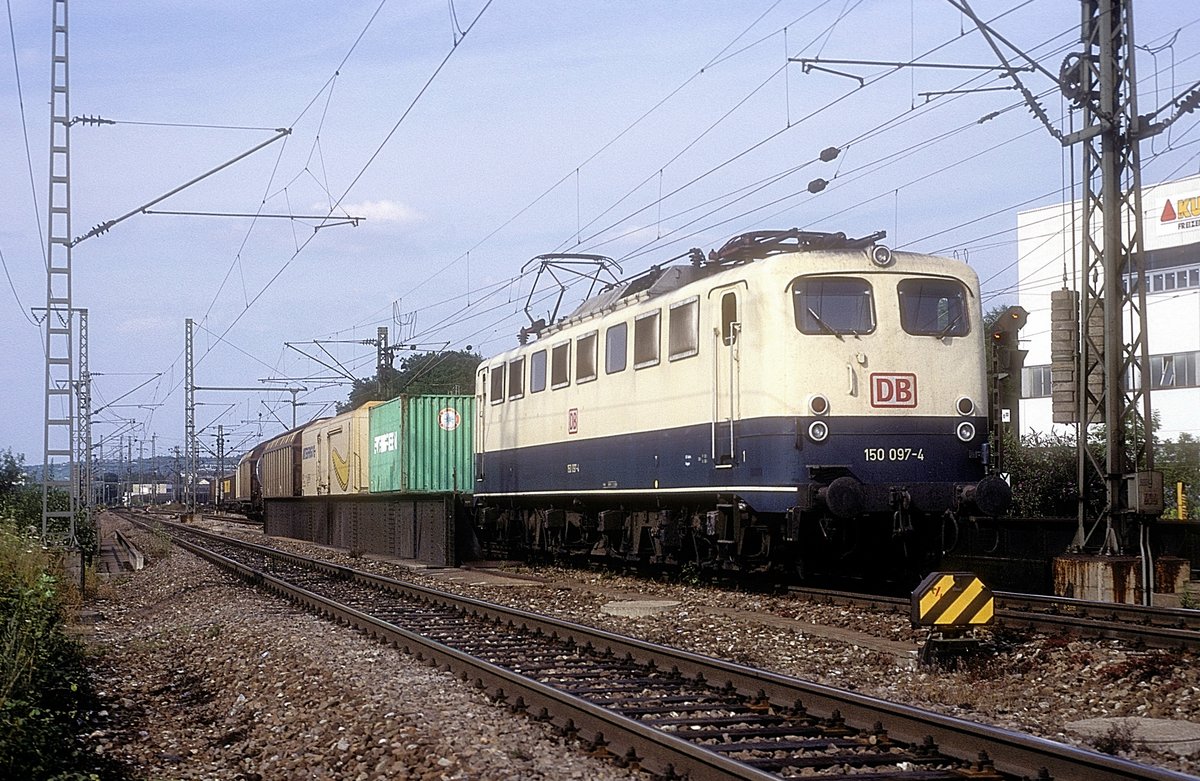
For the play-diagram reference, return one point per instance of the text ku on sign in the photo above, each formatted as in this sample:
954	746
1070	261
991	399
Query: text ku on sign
894	390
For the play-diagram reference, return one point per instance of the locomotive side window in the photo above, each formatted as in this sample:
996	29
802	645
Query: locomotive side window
560	365
834	305
585	358
516	378
645	340
537	372
729	318
616	349
683	329
498	384
933	307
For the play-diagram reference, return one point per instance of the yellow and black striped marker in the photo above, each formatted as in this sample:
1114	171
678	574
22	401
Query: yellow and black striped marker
952	599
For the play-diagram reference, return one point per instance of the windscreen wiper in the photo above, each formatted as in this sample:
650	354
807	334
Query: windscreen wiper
825	325
946	331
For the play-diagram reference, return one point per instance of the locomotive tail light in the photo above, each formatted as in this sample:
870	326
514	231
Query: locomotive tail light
965	431
818	430
818	404
965	406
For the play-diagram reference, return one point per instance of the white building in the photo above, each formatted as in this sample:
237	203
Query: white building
1171	224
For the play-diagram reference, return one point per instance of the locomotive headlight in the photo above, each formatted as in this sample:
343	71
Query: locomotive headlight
882	256
818	404
965	431
818	430
965	406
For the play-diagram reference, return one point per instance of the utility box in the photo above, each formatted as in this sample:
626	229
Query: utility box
1146	493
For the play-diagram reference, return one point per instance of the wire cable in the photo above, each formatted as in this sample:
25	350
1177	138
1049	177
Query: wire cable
12	36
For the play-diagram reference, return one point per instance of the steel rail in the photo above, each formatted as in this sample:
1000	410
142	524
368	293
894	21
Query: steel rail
1153	627
641	743
1116	612
1017	755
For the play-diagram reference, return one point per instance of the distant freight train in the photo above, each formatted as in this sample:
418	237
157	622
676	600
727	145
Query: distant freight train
792	402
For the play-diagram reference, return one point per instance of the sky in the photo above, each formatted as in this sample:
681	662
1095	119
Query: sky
470	136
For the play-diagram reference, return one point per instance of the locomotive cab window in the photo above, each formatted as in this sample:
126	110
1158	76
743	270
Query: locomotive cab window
560	365
683	329
585	358
933	307
516	378
497	384
645	340
615	348
729	318
834	306
537	372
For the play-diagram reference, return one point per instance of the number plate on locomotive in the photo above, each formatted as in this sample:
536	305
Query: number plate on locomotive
893	454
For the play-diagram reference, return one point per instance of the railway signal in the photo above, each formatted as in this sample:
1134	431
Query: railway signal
1007	361
1004	338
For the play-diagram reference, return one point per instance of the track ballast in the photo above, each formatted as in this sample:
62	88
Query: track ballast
675	713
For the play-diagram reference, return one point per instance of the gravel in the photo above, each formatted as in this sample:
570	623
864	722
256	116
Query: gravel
208	679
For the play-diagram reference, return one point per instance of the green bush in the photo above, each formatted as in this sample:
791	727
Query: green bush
44	688
45	694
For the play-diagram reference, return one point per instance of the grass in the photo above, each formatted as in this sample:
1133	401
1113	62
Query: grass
47	702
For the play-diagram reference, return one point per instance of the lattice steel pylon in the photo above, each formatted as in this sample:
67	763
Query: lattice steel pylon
192	455
1112	391
83	429
1112	379
59	465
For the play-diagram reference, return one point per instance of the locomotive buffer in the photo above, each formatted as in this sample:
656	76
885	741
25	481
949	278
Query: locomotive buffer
953	605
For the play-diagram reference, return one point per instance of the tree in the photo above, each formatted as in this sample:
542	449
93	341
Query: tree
1042	470
1180	463
427	373
12	472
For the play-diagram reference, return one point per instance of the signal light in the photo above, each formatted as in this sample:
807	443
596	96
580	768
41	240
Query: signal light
1004	333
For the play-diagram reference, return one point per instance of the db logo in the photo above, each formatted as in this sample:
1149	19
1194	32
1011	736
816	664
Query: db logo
893	390
573	421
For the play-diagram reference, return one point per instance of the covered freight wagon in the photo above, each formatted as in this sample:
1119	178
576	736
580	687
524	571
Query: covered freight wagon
335	453
280	468
247	488
422	444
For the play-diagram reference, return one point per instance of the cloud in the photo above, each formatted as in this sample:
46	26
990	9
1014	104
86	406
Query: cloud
383	212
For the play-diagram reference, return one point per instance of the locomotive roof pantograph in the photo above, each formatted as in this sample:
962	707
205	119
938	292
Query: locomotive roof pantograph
663	278
567	263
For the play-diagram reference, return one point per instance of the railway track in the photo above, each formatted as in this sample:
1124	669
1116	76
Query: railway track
675	713
168	514
1140	626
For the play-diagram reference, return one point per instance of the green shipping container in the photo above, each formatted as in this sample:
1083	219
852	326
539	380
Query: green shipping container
423	444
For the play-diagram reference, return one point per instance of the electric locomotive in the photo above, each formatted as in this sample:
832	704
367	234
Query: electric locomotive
794	401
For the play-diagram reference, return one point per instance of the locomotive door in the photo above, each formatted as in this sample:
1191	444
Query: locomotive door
726	304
